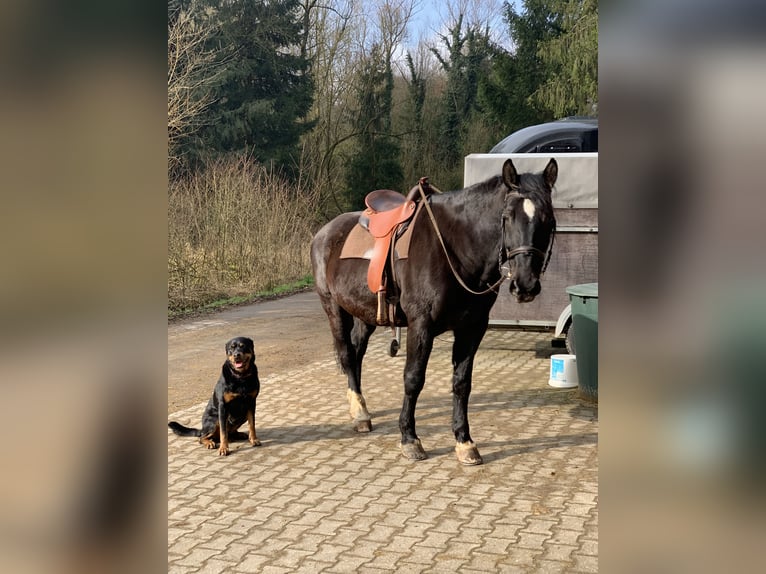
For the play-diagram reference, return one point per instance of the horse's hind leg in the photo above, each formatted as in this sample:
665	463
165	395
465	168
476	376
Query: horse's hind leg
350	337
360	336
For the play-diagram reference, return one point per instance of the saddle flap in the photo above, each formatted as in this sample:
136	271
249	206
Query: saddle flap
383	223
375	279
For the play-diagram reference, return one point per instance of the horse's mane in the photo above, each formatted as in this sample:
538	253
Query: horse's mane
530	185
471	193
485	186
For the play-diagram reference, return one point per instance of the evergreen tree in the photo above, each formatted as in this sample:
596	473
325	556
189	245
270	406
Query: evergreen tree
571	61
264	90
506	94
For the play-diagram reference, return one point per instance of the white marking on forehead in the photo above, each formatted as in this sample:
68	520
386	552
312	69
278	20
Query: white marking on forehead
529	208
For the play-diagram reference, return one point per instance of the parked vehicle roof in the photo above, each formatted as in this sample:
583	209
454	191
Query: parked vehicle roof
569	135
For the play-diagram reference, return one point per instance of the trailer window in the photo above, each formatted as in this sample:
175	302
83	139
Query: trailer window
560	146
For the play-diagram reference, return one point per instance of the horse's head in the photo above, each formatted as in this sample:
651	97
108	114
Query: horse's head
528	227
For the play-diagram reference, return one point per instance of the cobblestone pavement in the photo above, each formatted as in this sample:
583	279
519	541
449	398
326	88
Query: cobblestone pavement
317	497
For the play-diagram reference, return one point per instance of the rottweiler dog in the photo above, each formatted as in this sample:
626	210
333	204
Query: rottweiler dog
233	400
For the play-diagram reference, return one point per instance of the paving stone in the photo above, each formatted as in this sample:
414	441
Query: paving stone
561	552
551	567
347	564
290	558
215	566
585	564
565	536
252	563
197	556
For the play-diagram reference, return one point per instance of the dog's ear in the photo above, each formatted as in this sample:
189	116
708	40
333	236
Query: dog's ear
250	345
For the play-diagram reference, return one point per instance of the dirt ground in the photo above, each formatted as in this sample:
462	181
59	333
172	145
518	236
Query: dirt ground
288	332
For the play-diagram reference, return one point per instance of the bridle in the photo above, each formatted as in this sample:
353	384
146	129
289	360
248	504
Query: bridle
511	253
505	256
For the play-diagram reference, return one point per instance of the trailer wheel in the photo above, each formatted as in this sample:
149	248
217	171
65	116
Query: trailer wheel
394	348
569	341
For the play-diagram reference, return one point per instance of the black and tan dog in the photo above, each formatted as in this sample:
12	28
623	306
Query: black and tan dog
233	400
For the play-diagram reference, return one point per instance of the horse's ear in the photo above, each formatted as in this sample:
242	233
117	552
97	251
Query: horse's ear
551	172
510	176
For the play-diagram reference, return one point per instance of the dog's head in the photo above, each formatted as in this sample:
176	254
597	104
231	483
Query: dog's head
240	353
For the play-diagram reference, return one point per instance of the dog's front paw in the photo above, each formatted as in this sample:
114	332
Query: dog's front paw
223	451
255	442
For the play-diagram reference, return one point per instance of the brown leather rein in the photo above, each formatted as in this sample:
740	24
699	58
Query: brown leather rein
509	253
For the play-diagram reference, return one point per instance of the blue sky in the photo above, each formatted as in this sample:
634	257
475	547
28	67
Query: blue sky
431	14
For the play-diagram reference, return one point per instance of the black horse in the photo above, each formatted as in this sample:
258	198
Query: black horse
500	229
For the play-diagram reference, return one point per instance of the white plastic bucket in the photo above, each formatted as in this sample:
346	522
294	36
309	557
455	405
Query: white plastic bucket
563	371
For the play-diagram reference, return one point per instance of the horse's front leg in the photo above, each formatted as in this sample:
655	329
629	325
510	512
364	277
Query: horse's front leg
463	351
419	345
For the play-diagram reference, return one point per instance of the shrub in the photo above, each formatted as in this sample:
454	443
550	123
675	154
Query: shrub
236	229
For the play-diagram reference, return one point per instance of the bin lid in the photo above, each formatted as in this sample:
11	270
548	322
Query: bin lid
584	290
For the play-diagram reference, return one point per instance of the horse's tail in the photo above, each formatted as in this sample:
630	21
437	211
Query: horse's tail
181	430
319	260
321	247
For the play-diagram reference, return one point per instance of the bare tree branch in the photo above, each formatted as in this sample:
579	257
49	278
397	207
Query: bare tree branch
191	70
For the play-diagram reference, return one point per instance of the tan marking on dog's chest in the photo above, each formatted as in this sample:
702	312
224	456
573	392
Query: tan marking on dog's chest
229	396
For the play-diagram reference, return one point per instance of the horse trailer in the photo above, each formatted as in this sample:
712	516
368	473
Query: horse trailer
575	251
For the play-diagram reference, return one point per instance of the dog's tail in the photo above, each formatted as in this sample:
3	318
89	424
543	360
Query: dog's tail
181	430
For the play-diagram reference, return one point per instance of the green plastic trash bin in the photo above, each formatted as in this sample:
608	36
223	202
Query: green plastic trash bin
584	300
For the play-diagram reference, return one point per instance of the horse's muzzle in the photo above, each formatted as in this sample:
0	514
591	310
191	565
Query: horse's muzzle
524	294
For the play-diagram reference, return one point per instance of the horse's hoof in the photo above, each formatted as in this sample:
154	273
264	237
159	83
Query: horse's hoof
413	451
468	454
363	426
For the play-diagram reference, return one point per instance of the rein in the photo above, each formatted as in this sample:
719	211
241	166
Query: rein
509	253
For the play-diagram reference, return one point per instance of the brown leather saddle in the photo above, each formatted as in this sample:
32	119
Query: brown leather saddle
387	211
